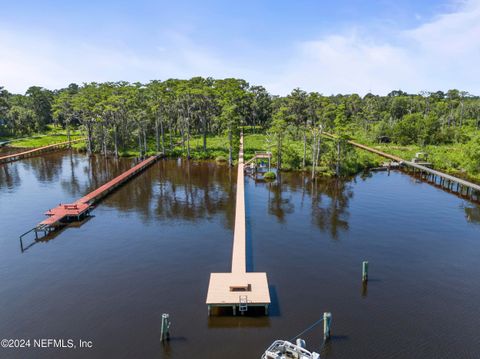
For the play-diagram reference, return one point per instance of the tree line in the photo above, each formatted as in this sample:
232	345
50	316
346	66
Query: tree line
116	116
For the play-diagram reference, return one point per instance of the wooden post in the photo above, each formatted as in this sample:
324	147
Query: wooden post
165	330
327	322
365	271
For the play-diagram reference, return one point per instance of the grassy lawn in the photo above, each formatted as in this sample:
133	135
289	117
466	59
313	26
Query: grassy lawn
447	158
217	146
53	135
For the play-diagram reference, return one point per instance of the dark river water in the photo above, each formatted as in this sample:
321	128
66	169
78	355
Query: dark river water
152	245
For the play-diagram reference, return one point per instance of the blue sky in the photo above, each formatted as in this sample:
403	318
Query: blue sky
342	46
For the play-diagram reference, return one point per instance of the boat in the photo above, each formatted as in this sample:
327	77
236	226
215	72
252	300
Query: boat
283	349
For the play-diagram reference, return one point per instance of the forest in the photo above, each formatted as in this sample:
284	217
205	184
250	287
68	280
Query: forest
201	118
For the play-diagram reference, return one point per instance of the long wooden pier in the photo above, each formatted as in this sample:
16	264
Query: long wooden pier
441	179
64	213
239	288
36	151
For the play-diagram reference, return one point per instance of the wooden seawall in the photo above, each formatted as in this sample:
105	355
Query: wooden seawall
239	288
36	151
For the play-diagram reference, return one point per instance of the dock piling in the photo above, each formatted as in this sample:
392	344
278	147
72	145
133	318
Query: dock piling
365	271
327	322
165	330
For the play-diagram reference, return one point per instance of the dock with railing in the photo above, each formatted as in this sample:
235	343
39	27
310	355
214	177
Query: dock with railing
440	179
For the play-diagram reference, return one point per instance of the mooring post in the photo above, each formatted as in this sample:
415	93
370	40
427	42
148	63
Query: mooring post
365	271
327	322
165	330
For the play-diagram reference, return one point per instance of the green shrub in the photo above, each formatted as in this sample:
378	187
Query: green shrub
270	175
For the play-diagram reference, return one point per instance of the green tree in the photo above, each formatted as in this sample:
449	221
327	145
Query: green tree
40	102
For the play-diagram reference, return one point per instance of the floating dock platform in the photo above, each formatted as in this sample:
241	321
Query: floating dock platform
239	289
36	151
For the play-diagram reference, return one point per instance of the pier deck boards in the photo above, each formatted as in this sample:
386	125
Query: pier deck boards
81	207
35	151
228	289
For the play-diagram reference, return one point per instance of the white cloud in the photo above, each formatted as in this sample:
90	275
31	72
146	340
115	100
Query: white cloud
440	54
342	64
47	60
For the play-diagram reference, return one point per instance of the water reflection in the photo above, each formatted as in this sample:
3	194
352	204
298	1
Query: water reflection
72	183
472	214
102	276
9	176
45	168
190	191
328	199
279	200
181	190
173	190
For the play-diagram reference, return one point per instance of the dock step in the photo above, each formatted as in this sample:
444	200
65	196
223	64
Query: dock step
243	307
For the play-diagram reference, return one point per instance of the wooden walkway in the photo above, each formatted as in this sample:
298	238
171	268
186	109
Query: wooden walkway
36	151
63	213
239	288
259	156
443	180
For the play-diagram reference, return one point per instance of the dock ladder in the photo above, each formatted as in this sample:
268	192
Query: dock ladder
243	306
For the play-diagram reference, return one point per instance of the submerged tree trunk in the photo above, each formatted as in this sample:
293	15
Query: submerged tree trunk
337	170
157	140
140	142
163	136
279	153
230	157
105	138
188	142
304	148
145	141
183	139
68	132
89	137
314	154
319	143
115	140
205	128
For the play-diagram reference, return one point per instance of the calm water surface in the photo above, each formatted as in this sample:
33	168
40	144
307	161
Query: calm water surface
151	246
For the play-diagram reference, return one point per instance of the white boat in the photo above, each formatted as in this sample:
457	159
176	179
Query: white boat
282	349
